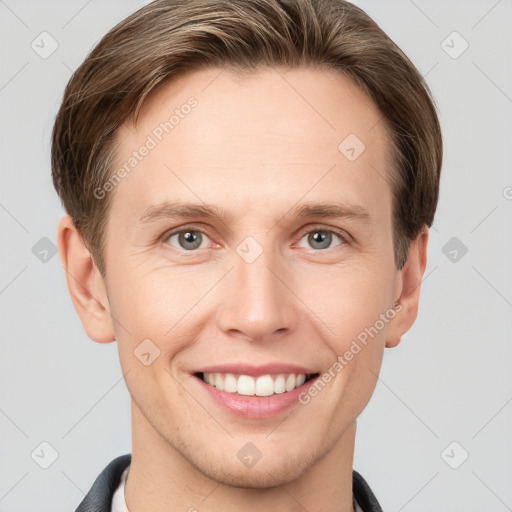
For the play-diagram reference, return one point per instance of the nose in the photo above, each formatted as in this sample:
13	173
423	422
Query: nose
257	300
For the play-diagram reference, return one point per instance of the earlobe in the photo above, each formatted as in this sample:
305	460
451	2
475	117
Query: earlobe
411	277
85	284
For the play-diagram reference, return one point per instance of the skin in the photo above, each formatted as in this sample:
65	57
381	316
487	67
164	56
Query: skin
255	147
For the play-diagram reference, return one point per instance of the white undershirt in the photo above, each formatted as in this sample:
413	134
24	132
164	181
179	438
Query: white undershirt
119	503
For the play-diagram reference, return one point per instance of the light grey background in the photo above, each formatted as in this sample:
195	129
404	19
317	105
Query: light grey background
450	378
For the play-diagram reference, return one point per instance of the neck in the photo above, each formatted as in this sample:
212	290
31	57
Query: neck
161	479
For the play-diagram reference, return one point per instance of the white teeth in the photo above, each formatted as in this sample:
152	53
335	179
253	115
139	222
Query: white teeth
290	382
279	384
219	381
300	380
246	385
264	385
230	383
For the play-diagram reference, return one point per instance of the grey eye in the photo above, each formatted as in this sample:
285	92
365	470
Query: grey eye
319	239
189	239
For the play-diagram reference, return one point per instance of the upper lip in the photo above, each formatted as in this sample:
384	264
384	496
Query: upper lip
249	369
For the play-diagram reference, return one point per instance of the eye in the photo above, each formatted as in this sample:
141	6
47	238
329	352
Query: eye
321	238
188	239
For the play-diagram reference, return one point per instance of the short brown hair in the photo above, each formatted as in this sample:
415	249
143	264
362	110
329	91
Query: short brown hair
169	37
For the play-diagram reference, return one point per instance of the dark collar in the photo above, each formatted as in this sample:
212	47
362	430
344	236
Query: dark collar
99	498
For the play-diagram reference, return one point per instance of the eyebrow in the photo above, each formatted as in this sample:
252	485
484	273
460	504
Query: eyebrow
331	210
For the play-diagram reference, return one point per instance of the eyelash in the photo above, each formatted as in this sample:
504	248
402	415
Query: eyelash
343	236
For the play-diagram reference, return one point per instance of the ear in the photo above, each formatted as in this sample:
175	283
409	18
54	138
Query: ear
85	284
409	286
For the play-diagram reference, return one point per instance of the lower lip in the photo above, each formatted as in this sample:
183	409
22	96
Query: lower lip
255	406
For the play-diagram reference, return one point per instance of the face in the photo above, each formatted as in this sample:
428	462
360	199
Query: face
283	261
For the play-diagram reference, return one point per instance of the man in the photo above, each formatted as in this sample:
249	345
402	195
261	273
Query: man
249	186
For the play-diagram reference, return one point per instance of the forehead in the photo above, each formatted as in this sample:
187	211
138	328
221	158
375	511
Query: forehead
218	137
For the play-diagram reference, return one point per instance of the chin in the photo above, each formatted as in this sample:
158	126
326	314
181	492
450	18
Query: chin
262	478
273	472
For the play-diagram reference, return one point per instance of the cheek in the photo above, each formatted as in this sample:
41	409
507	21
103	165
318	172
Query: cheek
150	304
359	313
349	302
159	313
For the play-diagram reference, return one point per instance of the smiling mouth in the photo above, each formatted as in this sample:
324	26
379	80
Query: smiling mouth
263	385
